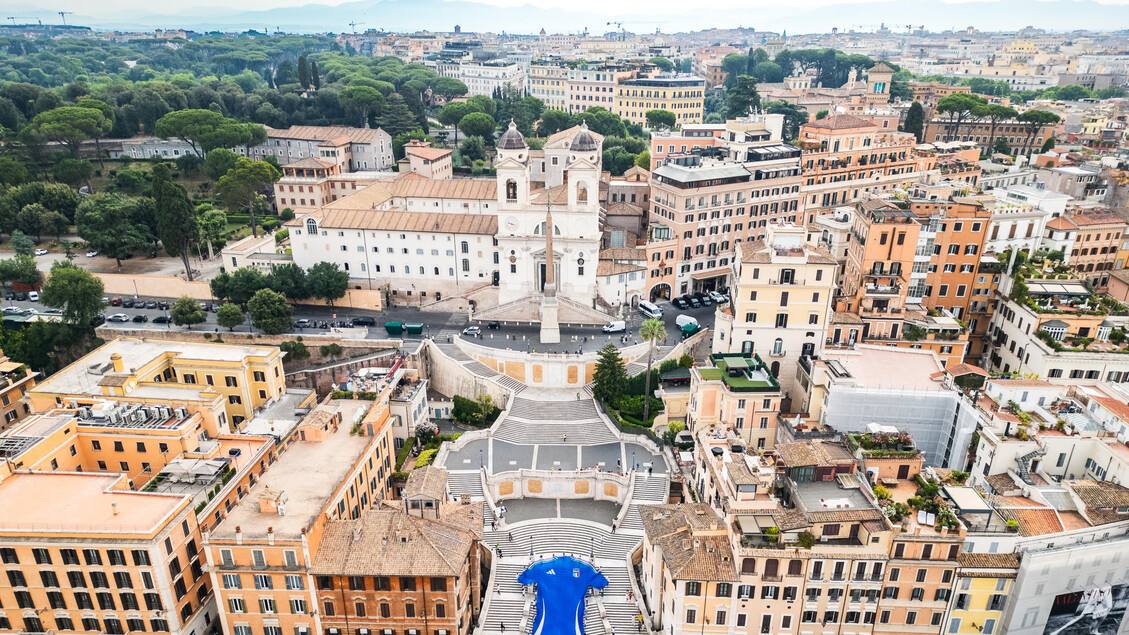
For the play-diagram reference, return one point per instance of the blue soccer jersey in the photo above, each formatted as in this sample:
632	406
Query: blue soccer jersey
562	584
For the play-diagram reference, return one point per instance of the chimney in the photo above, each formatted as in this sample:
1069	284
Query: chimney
270	536
116	360
238	535
357	534
114	507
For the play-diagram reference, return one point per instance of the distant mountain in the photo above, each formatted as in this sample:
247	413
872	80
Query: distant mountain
443	15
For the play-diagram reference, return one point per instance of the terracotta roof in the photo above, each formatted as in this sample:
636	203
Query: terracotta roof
431	154
693	539
881	67
1095	217
1033	521
623	253
844	515
968	369
427	481
840	122
569	133
1061	222
557	195
1002	483
843	317
471	189
325	133
1100	494
988	560
309	162
624	209
817	453
391	542
400	220
612	268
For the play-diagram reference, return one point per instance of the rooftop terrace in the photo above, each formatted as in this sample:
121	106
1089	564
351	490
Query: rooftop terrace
741	372
81	503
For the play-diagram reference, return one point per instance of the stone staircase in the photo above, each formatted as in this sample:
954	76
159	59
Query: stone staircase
466	482
648	490
1024	465
562	535
533	410
543	432
512	384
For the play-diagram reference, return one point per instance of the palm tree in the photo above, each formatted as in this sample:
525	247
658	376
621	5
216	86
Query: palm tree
651	331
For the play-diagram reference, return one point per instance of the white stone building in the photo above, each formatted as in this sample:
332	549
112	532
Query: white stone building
352	149
483	78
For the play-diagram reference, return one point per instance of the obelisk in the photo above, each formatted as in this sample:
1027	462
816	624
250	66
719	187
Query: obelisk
550	326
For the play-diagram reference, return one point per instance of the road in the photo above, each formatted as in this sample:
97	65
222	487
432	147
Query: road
521	336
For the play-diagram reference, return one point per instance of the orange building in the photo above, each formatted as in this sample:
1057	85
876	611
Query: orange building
1096	243
845	157
17	379
879	261
338	464
960	227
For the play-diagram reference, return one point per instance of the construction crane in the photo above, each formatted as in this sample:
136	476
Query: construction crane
353	25
19	17
63	15
622	33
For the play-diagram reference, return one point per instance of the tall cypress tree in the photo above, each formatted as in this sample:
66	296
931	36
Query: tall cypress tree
303	72
176	217
315	79
915	120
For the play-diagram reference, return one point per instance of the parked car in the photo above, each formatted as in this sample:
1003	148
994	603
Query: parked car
106	301
10	295
127	303
118	317
303	323
40	252
472	330
364	321
680	303
53	312
694	302
704	298
494	326
91	253
719	298
204	306
162	319
115	301
21	296
151	304
616	326
12	309
140	317
97	320
162	305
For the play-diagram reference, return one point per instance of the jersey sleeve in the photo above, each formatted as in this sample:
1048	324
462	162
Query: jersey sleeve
530	575
597	580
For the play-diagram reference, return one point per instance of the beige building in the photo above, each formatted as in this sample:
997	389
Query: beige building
428	162
682	96
739	394
780	302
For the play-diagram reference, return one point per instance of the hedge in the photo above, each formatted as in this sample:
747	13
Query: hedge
402	455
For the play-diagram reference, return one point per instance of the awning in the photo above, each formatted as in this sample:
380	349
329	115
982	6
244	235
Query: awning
707	275
9	366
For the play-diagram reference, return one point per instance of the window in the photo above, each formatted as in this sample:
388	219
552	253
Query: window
694	588
691	616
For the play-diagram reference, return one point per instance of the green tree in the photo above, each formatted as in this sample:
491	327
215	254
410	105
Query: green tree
206	130
478	124
315	78
21	244
664	64
448	87
71	125
397	118
472	149
52	222
768	73
1047	145
651	331
21	269
995	113
326	280
108	222
29	220
915	121
958	107
269	312
74	171
1072	93
303	72
289	280
610	375
643	160
219	162
186	311
211	223
400	140
1001	146
660	118
733	65
12	172
452	114
75	291
362	101
1034	121
553	121
240	186
176	218
822	114
229	316
244	283
742	97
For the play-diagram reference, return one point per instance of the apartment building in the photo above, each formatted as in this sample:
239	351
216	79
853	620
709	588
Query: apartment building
350	149
304	189
1097	243
487	77
846	157
549	83
959	228
707	62
705	208
136	520
739	393
688	140
428	162
226	384
681	95
780	299
16	380
879	262
983	583
1079	183
261	557
594	87
980	132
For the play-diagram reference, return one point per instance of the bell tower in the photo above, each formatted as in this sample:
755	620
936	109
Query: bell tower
512	165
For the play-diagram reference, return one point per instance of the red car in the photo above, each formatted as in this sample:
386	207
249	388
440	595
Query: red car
115	301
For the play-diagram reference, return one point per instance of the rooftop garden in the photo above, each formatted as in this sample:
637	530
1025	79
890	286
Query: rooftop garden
741	372
927	498
882	445
1073	344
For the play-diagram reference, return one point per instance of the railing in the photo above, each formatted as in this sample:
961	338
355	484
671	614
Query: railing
793	281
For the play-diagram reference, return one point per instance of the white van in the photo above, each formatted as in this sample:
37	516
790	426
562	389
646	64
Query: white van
33	296
650	310
683	319
617	326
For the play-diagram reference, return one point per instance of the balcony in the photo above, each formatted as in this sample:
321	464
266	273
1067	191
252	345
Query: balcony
786	281
883	289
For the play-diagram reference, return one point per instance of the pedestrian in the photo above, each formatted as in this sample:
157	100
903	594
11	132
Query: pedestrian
493	525
510	535
578	396
650	470
502	626
564	436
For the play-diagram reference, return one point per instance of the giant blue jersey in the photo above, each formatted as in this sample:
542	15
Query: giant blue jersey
562	584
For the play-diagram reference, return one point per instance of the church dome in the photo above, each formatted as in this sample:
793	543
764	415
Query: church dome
583	141
512	139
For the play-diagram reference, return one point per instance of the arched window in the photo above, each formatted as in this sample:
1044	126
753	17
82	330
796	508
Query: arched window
511	191
437	271
778	346
311	227
466	265
421	270
451	271
748	566
464	247
581	193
